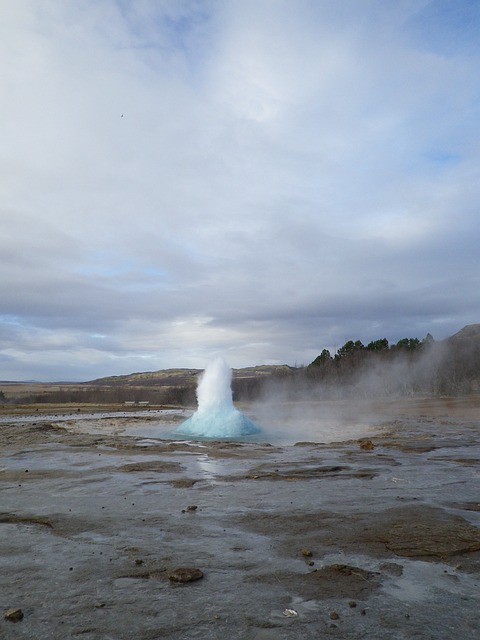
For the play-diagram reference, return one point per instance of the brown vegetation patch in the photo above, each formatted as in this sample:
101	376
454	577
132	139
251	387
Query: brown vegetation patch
422	444
32	433
183	483
331	581
340	580
430	533
159	466
243	451
411	531
466	506
308	472
11	518
466	461
26	434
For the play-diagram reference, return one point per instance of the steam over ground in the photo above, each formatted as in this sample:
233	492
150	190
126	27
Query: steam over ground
342	399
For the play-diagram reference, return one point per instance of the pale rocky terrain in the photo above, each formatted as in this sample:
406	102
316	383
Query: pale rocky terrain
372	532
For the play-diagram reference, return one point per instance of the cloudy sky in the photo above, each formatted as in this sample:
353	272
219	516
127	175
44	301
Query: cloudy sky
257	179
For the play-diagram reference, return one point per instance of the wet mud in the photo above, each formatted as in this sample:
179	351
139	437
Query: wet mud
108	535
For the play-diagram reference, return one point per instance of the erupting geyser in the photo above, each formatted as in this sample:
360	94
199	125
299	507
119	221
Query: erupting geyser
216	417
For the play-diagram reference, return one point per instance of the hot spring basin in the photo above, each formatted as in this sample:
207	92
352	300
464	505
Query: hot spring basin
218	423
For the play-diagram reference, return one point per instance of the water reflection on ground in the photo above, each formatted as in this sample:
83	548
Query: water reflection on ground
373	542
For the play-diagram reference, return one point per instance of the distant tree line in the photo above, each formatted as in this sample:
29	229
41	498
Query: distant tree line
411	366
351	348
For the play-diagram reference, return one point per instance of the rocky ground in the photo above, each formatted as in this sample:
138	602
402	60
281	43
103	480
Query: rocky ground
374	537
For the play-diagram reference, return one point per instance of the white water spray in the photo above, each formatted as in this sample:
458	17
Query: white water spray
216	417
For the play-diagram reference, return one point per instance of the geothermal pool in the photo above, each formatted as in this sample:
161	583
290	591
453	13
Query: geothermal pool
216	416
283	430
284	425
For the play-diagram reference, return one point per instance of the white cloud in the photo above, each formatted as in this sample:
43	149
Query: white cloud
261	179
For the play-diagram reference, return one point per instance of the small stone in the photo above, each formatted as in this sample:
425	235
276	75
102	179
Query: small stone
192	507
334	615
138	561
366	444
306	553
352	604
13	615
310	563
185	574
363	612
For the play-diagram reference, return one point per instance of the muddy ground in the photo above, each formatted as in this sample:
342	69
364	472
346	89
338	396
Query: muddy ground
374	537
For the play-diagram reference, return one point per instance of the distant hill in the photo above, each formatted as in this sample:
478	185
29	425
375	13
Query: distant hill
162	377
168	377
470	332
167	387
461	362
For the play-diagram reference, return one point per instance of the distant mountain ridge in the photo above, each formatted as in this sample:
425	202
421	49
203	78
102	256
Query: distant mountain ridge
187	376
471	331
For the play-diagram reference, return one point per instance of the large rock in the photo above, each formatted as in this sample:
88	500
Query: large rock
13	615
